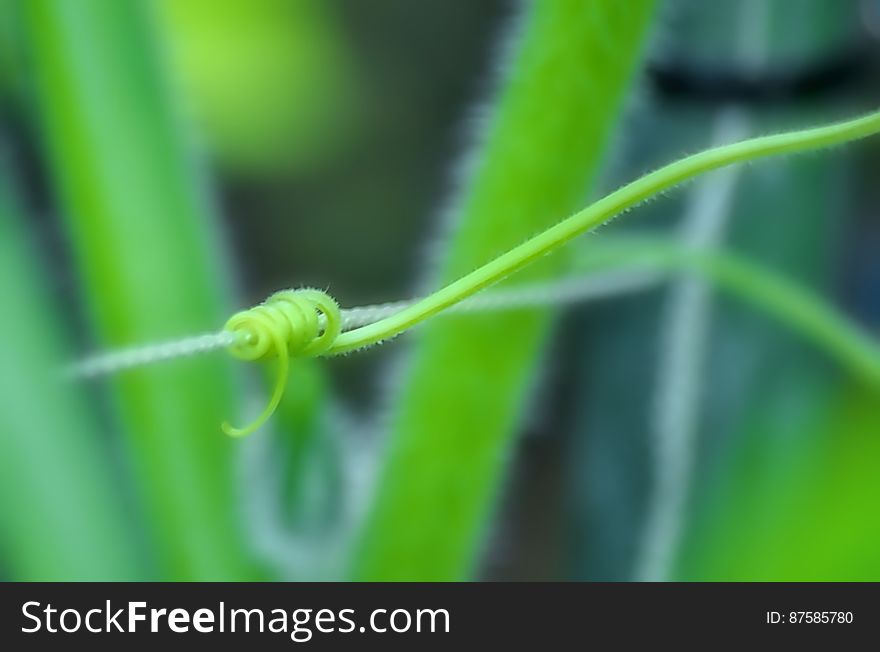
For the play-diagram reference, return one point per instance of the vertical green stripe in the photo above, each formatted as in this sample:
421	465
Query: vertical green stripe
465	386
146	256
60	513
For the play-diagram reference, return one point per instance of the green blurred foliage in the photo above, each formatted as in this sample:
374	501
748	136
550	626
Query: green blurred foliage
61	511
331	124
271	82
463	392
799	501
149	264
768	402
8	55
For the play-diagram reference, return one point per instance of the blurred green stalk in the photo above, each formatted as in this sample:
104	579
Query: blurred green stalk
60	513
148	261
462	396
787	301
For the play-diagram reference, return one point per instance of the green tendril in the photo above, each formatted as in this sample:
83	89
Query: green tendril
602	212
308	322
290	323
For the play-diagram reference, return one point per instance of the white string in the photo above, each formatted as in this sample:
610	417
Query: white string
567	291
523	297
682	349
685	332
102	364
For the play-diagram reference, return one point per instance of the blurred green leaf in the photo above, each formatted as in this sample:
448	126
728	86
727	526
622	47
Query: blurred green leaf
271	81
146	253
786	217
800	509
463	392
61	516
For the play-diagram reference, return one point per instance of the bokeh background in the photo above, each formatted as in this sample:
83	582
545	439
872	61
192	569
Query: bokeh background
165	162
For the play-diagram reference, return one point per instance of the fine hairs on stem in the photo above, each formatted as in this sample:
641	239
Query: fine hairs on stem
310	323
613	266
602	212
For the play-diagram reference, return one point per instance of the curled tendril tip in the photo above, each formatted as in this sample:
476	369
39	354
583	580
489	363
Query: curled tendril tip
290	323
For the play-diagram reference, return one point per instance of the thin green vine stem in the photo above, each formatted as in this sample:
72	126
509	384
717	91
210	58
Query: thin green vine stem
788	302
263	331
792	305
602	212
647	260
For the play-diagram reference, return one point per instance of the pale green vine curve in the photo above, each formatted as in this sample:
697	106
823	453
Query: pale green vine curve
788	302
601	212
276	332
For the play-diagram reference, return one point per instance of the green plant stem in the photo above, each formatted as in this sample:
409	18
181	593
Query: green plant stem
601	213
61	515
617	265
146	255
403	538
788	302
466	381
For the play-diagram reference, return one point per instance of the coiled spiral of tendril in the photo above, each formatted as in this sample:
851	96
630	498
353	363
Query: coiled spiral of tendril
290	323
